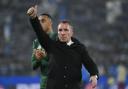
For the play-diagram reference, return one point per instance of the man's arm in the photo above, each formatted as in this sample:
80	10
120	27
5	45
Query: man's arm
89	64
43	38
91	67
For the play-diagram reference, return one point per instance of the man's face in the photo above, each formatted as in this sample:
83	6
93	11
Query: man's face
64	32
45	22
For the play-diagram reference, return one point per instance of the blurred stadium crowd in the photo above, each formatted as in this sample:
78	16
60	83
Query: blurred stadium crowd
102	25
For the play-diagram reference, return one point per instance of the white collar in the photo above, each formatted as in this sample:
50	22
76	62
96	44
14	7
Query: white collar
70	42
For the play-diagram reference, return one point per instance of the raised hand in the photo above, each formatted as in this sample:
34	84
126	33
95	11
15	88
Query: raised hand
32	11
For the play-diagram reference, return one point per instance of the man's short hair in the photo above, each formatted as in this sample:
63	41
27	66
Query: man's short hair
46	14
66	22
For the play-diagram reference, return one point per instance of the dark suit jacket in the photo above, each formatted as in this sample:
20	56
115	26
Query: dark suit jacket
65	62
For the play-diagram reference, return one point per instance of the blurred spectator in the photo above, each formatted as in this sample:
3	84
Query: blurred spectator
102	82
121	77
112	83
114	10
7	35
4	70
112	70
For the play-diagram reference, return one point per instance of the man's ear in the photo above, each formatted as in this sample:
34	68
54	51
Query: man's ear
72	32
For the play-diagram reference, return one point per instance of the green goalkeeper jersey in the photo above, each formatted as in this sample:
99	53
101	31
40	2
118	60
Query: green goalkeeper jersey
43	63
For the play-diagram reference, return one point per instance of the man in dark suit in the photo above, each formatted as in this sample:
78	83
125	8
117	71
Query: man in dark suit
66	56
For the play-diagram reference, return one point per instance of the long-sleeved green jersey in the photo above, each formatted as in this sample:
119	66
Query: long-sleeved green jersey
43	63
